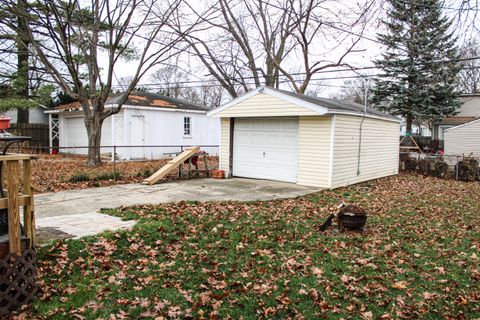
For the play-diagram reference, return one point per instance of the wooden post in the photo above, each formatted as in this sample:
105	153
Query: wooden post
207	169
28	209
189	163
13	205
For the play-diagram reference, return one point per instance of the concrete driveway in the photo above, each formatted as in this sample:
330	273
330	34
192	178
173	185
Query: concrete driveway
75	212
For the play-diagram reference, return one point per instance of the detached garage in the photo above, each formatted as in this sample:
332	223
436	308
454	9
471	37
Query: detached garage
148	126
278	135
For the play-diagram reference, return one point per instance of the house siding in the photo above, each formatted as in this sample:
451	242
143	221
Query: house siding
464	140
160	128
36	115
166	128
224	161
379	152
76	136
263	105
470	107
314	150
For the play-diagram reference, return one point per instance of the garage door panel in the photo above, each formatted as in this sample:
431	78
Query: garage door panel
266	148
75	135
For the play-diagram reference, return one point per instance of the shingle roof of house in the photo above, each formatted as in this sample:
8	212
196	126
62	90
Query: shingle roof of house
455	120
335	105
144	99
148	99
463	124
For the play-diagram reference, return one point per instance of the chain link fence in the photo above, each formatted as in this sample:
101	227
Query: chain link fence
458	167
124	162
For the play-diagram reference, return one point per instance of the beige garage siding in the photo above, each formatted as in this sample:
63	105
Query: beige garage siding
224	161
463	140
262	105
379	152
314	151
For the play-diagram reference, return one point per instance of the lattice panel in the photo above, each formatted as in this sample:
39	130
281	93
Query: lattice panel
17	280
55	129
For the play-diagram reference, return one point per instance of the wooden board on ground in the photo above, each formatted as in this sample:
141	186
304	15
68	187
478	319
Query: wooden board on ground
171	165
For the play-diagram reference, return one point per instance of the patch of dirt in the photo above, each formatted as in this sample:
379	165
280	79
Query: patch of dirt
47	234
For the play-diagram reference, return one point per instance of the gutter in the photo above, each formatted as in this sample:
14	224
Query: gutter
360	133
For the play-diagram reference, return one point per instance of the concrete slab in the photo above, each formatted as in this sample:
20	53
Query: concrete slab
87	201
81	225
75	213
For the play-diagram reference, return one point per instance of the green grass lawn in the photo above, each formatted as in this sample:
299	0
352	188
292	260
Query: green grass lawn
419	258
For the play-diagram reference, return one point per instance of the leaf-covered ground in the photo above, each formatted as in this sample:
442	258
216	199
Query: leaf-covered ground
419	258
67	172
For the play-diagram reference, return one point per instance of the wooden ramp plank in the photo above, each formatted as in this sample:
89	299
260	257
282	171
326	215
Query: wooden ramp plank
171	165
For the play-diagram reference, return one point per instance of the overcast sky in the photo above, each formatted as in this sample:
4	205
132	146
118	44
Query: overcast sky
368	49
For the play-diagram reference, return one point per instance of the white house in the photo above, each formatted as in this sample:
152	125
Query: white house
421	130
36	115
278	135
463	139
467	112
149	126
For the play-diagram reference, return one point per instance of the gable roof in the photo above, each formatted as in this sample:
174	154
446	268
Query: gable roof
462	125
319	105
455	120
143	99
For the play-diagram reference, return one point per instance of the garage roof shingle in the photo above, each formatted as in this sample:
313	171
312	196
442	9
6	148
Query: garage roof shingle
335	106
144	99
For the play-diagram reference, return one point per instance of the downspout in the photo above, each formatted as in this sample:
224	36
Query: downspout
360	133
50	134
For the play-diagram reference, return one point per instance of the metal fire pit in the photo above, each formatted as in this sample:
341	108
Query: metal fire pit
351	217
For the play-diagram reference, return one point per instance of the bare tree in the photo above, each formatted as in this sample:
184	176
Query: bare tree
310	24
173	82
354	90
209	94
469	75
248	43
169	80
467	12
81	44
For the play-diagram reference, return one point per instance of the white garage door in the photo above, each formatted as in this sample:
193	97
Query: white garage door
76	135
266	148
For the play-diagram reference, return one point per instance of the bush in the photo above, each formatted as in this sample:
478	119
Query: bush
467	169
441	169
410	164
144	173
79	177
113	175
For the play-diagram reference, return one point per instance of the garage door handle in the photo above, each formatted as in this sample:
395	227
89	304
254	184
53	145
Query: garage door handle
264	154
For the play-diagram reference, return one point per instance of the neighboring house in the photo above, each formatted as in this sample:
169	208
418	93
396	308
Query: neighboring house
36	128
468	111
36	115
278	135
463	139
146	120
422	130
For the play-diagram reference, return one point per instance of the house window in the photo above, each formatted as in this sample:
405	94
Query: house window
441	130
187	126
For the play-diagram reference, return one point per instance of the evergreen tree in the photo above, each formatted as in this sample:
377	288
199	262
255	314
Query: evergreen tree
420	64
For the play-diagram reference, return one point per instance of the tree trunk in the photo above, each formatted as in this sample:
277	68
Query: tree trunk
22	64
94	132
23	115
409	125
